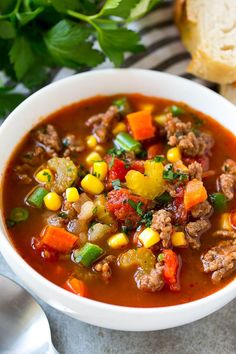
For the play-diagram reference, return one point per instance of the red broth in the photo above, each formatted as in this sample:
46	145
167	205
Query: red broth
122	289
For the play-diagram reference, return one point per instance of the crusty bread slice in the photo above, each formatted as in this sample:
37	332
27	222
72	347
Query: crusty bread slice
229	92
208	30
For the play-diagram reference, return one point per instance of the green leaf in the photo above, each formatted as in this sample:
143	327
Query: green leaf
8	101
116	42
120	8
35	77
21	56
26	17
6	6
63	5
66	43
7	30
142	8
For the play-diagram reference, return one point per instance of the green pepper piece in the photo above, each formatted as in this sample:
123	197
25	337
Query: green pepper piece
219	201
19	214
127	143
176	111
123	105
88	254
35	199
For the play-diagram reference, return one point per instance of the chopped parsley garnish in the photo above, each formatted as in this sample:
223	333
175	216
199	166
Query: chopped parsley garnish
116	184
159	158
197	122
142	154
62	215
115	152
47	175
164	199
146	218
170	175
95	210
136	206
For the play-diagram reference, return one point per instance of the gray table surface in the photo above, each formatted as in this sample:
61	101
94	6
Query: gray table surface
213	334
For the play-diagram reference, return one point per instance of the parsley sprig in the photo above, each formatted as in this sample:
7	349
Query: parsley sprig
38	35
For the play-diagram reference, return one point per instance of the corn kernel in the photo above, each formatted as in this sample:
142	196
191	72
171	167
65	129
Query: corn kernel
92	184
44	176
146	107
119	127
178	239
52	201
92	157
160	119
149	237
91	141
100	170
100	149
118	240
180	166
173	154
72	195
225	223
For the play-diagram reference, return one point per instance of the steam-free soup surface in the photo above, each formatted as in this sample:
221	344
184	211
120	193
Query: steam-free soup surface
161	176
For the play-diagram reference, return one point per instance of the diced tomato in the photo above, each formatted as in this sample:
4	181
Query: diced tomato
171	269
179	211
154	150
118	204
119	168
76	286
233	219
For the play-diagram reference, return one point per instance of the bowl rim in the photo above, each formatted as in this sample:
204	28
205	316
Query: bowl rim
57	290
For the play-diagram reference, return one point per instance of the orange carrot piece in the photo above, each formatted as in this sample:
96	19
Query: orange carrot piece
76	286
141	125
194	194
58	239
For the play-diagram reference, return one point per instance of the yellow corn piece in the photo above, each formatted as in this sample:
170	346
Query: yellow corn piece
180	166
146	107
149	237
119	127
160	119
93	157
52	201
72	195
91	141
44	176
173	154
178	239
100	169
118	240
225	223
92	184
151	184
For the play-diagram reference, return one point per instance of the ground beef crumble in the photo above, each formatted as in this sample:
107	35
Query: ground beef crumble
161	222
104	267
195	170
201	210
182	135
194	230
227	180
220	260
150	282
48	138
102	123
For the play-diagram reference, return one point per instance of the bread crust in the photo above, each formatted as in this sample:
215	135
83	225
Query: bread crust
215	68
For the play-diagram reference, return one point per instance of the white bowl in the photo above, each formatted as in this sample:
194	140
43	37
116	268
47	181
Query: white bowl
75	88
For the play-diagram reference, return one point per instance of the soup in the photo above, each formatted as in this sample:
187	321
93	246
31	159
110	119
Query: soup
127	200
